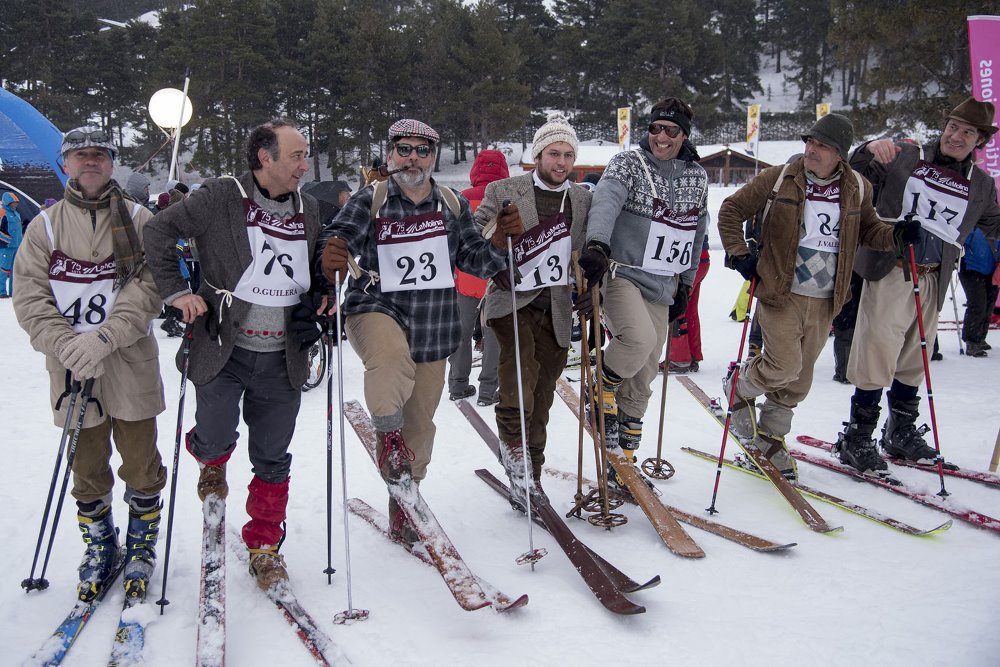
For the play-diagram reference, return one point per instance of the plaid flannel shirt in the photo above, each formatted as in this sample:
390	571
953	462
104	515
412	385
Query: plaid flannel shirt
429	316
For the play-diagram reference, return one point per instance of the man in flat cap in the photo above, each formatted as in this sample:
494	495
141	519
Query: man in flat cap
942	187
401	309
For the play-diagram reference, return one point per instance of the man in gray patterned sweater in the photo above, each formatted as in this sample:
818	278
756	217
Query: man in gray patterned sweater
646	226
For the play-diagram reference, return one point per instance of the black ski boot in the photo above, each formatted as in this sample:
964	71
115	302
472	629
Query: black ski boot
140	545
901	439
98	562
856	447
629	435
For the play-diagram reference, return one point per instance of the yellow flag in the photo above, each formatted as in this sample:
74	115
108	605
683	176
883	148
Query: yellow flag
753	128
625	128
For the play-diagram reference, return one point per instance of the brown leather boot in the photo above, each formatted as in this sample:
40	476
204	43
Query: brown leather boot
268	567
212	481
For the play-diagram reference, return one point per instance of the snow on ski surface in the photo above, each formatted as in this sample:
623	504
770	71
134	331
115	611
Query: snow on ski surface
869	595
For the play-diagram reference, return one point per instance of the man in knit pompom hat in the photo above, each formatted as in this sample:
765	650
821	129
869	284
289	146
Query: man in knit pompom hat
554	211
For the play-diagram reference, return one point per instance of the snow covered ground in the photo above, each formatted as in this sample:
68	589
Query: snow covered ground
868	595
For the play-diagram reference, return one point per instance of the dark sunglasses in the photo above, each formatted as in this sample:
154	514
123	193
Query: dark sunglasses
79	137
404	150
671	130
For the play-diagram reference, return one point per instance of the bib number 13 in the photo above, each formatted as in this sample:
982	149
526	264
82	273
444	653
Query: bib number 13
94	312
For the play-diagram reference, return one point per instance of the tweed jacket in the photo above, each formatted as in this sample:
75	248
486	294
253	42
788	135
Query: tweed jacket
214	217
130	388
781	229
520	190
891	183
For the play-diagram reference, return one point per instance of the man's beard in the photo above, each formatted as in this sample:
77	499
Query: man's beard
408	179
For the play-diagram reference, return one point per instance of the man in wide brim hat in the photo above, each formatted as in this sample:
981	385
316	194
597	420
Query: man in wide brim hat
978	114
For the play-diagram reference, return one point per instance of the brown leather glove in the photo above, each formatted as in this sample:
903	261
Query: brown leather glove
508	224
334	260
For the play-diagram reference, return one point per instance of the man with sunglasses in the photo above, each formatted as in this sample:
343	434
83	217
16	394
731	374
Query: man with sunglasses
817	211
401	309
940	185
647	223
87	299
255	235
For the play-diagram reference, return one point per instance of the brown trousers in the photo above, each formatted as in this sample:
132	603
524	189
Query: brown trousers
399	393
142	469
542	360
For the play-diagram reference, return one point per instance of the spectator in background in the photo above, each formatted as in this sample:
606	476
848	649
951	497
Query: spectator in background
976	275
137	187
11	231
489	166
685	336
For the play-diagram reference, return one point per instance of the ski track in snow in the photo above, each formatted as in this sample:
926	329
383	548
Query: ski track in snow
869	595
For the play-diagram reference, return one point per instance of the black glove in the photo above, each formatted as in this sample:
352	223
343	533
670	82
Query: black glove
584	303
211	323
906	232
745	265
304	325
594	262
680	304
502	279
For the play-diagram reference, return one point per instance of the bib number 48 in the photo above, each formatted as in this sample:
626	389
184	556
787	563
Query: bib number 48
93	314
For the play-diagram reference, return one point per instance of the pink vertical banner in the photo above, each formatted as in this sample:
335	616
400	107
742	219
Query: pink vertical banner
984	58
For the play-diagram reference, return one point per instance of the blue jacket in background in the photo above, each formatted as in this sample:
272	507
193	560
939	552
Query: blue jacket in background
981	255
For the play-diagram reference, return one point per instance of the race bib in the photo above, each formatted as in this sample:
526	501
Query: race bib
413	253
279	269
821	217
939	197
670	240
542	254
84	291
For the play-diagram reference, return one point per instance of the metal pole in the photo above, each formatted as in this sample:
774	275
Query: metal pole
177	130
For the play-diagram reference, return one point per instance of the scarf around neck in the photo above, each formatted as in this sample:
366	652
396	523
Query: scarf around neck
129	257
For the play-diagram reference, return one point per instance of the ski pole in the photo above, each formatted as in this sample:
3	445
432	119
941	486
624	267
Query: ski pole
330	333
995	461
88	387
606	519
914	278
532	555
31	583
584	361
954	306
185	361
732	396
351	614
660	468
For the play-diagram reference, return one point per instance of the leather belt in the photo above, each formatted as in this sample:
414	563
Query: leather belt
922	269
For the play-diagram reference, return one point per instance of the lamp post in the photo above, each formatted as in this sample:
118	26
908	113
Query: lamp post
171	110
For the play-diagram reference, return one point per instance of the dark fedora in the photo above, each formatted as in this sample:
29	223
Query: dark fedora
975	113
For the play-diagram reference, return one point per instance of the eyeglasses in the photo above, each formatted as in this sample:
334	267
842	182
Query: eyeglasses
79	137
423	150
671	130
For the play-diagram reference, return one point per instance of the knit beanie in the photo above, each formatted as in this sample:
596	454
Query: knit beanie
835	130
556	128
136	185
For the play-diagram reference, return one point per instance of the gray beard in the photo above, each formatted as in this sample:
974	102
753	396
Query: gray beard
409	181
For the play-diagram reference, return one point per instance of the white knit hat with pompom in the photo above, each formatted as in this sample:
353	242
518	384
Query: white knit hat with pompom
556	128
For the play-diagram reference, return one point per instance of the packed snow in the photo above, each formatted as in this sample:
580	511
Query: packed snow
868	595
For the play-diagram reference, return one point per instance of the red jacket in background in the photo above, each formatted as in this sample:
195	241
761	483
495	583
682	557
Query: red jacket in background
488	166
